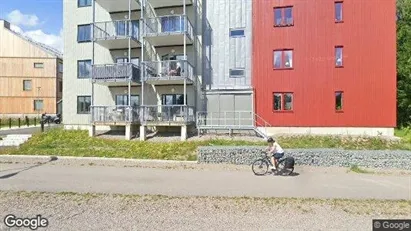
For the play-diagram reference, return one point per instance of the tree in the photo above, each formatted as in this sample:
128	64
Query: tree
404	62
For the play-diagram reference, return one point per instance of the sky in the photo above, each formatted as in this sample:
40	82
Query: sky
41	20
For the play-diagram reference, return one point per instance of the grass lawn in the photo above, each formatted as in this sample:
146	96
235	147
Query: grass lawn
78	143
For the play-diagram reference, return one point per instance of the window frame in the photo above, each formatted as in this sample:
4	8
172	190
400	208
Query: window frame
283	59
283	16
24	86
237	36
336	58
35	65
84	41
78	69
82	112
341	11
126	95
34	105
336	103
283	101
236	76
81	6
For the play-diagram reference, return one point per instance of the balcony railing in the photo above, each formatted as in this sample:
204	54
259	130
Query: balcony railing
118	72
169	24
114	114
173	114
120	29
167	70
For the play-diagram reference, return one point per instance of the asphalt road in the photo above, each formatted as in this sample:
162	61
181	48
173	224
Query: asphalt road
186	182
25	130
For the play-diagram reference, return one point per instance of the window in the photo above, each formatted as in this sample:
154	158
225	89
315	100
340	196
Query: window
283	59
83	3
173	99
237	33
84	68
283	16
338	56
283	101
38	105
60	86
135	61
83	104
84	33
60	67
338	12
27	85
339	100
38	65
122	100
172	24
236	73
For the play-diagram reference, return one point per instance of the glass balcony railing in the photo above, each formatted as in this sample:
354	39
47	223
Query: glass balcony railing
170	24
167	70
120	29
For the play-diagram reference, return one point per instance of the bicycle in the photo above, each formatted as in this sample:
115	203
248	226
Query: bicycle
285	165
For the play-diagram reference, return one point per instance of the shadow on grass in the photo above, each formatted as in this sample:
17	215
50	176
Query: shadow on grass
53	158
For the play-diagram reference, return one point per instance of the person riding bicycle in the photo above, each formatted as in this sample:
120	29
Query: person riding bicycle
275	150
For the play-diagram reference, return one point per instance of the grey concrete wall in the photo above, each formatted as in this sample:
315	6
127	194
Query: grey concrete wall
314	157
220	51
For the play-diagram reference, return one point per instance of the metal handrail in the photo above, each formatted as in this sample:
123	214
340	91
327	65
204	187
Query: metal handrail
167	114
154	25
112	30
114	114
167	70
115	72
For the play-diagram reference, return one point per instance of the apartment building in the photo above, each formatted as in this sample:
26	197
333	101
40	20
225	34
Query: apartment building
325	67
31	75
139	65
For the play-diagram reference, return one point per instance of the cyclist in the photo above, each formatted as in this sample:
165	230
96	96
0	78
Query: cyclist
276	151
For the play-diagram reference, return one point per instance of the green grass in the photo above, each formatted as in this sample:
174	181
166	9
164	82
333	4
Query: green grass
5	122
78	143
404	133
355	168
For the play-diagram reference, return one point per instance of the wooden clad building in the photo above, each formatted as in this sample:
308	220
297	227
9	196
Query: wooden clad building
31	75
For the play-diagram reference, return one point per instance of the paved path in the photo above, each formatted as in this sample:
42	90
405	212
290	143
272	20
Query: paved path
25	130
172	182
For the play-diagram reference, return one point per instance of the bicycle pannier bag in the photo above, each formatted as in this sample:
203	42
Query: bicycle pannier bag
289	162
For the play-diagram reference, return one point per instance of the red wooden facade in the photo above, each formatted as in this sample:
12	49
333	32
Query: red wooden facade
367	77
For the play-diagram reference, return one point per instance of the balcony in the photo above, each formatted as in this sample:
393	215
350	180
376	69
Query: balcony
115	74
118	5
114	115
168	30
168	72
167	115
115	34
168	3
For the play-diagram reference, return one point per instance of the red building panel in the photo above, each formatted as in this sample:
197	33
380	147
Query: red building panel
367	78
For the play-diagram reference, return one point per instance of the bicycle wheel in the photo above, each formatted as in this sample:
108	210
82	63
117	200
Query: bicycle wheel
260	167
282	170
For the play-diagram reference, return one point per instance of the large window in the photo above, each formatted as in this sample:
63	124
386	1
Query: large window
122	100
172	99
172	23
339	56
27	85
84	69
38	105
83	3
283	59
84	33
83	104
338	12
283	101
283	16
339	100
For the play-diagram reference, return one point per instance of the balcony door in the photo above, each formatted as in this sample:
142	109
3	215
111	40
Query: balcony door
135	60
122	28
173	58
172	23
122	100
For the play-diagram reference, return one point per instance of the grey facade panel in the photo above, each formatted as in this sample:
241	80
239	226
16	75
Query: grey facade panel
223	52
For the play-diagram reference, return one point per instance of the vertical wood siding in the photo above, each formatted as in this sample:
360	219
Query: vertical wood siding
368	77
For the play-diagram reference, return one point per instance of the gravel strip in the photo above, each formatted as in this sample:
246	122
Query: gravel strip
69	211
